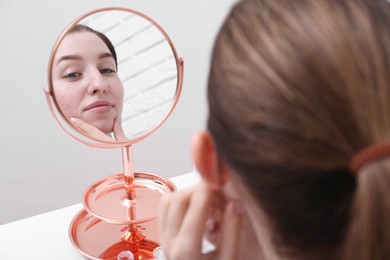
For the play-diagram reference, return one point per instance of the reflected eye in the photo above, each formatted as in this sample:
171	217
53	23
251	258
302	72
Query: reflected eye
72	75
107	71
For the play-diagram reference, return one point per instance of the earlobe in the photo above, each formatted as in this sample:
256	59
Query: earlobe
206	160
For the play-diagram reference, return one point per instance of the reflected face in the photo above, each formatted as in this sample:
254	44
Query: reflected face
85	80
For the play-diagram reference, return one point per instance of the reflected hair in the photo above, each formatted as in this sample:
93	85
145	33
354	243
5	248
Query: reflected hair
103	37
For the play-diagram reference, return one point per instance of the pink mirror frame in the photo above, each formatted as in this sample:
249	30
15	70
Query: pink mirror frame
90	140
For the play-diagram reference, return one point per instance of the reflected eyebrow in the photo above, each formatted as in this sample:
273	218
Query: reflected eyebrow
78	57
69	57
105	55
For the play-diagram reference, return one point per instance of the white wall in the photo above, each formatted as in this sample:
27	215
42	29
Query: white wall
41	168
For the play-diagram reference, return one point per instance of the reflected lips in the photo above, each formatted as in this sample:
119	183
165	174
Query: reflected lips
99	106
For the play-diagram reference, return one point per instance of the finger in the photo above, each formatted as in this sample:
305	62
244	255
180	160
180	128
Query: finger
82	125
175	207
231	231
118	131
163	217
214	220
213	225
194	222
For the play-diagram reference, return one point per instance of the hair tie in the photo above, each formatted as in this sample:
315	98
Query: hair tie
368	155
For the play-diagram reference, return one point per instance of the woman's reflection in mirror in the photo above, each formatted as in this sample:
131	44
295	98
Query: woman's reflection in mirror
297	149
86	84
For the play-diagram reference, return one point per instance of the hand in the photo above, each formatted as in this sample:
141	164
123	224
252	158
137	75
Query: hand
183	217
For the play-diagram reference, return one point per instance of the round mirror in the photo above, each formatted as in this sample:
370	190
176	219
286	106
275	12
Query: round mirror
114	77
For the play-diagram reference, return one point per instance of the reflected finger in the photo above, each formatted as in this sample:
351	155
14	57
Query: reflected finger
89	129
118	131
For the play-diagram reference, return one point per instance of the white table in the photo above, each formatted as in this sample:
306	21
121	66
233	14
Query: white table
46	236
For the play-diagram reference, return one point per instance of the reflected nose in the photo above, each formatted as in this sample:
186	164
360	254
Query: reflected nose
97	83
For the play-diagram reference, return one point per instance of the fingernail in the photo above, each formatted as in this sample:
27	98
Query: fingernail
73	119
234	207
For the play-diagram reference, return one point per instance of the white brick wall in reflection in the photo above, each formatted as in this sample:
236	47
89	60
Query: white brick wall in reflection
146	66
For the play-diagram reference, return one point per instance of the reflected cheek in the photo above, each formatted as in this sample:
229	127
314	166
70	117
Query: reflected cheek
120	105
68	104
69	97
69	109
118	93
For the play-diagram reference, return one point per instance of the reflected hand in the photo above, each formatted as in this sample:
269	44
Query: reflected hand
183	218
90	129
119	135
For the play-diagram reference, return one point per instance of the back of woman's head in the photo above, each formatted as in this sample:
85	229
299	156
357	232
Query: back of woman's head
296	89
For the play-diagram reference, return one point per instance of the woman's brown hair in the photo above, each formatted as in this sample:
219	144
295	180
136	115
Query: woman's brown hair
296	89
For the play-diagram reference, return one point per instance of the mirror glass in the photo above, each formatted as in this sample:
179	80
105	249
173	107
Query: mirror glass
114	75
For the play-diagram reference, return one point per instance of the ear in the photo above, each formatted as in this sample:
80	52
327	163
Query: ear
207	161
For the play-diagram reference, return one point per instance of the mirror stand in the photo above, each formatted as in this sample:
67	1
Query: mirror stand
120	214
119	218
